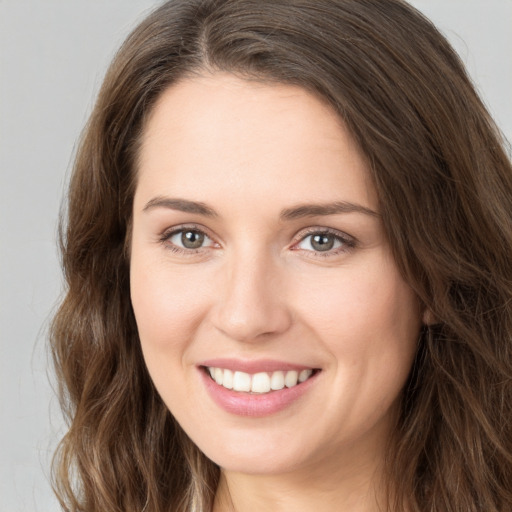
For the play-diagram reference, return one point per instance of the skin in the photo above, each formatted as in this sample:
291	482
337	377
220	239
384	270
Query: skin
258	289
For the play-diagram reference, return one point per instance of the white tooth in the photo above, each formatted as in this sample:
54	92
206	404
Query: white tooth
290	379
304	375
260	383
227	380
218	376
211	371
277	381
241	381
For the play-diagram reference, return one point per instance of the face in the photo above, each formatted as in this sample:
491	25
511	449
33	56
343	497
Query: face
272	317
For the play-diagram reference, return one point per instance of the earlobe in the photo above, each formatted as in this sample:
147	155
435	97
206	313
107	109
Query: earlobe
428	317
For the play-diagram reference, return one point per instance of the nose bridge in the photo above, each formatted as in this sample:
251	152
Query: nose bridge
252	301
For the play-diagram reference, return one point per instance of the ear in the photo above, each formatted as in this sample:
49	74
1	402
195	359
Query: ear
428	317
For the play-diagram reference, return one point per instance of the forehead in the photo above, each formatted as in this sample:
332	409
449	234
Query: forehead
218	133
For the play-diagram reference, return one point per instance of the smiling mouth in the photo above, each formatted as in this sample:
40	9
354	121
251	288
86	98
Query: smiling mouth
259	383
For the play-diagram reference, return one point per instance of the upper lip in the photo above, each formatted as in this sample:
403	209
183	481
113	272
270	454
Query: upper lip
254	366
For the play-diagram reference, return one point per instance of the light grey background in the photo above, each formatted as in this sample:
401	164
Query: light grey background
53	54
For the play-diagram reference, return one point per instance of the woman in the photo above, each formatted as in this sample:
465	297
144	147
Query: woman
288	257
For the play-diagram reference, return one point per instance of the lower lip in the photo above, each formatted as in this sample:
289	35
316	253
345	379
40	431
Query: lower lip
255	405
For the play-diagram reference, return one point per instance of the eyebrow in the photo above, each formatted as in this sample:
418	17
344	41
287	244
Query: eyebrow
182	205
297	212
315	210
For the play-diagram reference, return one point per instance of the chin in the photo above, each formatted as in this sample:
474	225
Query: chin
264	453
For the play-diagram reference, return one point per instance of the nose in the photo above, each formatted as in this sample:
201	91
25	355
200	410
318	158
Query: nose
251	304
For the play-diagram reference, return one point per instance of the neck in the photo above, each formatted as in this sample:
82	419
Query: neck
329	490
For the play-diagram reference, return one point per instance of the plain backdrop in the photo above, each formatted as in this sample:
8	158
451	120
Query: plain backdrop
53	54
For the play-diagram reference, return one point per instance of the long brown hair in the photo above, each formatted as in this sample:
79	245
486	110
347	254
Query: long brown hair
445	186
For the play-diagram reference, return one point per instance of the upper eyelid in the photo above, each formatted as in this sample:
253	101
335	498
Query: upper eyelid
168	232
303	233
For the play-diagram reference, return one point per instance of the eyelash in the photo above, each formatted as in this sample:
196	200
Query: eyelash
167	235
347	242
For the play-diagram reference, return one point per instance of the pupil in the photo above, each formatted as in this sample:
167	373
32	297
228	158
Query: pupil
322	242
192	239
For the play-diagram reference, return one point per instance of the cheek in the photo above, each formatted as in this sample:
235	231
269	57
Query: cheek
166	304
369	321
167	310
368	305
371	332
168	307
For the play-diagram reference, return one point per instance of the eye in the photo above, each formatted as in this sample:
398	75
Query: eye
187	239
325	242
